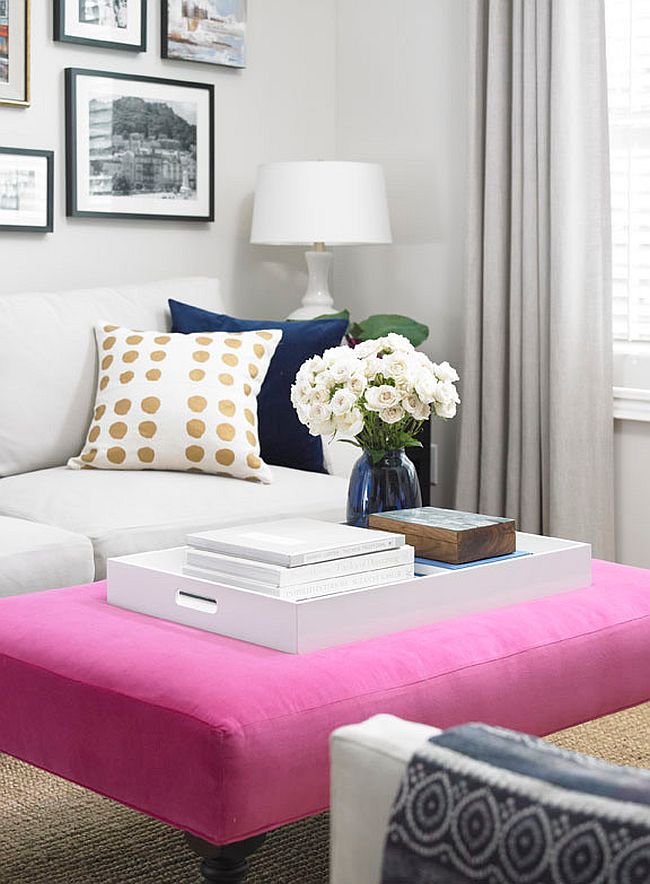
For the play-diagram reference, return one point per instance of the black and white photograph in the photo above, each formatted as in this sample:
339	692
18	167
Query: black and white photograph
139	146
104	12
26	190
111	24
14	53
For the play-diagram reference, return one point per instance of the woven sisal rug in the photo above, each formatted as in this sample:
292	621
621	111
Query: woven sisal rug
52	832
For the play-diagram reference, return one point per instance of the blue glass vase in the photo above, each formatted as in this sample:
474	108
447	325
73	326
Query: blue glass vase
390	484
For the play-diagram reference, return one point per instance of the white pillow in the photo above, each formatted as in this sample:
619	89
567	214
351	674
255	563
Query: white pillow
178	402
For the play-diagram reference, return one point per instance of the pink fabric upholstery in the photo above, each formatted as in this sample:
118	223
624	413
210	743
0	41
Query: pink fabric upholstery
227	739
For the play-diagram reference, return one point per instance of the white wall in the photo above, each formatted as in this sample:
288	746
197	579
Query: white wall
401	101
281	107
632	478
632	461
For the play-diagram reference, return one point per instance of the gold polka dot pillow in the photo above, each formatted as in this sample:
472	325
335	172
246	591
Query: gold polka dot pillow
178	402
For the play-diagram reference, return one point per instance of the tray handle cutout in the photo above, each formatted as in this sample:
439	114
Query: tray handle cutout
196	602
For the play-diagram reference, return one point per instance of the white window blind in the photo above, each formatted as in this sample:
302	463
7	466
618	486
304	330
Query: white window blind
628	62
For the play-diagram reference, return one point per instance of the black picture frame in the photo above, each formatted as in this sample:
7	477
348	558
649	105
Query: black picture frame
48	227
24	99
62	35
164	43
72	196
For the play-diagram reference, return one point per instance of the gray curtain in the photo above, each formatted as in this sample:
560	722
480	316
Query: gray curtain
536	439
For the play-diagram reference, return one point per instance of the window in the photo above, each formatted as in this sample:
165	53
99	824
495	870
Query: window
628	61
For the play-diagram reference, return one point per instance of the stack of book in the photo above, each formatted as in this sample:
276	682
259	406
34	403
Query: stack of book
299	558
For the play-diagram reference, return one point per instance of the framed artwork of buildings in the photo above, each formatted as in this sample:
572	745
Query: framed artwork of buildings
14	53
209	31
139	147
112	24
26	190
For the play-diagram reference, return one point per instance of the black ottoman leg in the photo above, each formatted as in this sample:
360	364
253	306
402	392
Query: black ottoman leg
227	864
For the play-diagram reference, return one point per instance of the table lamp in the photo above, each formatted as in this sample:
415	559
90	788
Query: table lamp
318	203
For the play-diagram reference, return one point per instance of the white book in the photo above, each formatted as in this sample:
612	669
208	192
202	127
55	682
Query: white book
293	542
280	575
307	590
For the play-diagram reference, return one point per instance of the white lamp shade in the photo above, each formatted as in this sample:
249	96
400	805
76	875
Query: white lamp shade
336	203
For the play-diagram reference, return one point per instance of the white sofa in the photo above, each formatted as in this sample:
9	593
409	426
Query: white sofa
368	761
58	526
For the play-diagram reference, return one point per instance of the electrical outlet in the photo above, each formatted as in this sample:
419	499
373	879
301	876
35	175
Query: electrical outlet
434	463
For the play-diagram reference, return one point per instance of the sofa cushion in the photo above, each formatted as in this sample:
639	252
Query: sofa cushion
128	512
47	343
285	441
35	557
178	402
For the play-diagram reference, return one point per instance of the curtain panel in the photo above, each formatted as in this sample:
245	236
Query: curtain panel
536	439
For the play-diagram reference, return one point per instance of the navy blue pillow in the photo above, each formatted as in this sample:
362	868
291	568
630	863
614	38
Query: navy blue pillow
284	441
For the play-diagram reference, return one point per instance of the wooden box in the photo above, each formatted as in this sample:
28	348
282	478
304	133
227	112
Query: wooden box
450	535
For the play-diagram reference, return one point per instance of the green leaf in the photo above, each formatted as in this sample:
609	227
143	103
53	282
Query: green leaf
342	314
355	331
383	323
376	454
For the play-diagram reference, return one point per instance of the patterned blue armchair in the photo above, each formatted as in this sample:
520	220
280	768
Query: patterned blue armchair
412	805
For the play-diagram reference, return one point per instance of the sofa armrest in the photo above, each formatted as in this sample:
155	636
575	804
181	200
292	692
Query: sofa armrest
368	761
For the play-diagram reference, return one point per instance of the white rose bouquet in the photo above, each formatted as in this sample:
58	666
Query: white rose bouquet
376	395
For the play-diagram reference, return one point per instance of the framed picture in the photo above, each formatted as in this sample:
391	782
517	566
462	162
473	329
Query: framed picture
113	24
209	31
26	190
139	147
14	53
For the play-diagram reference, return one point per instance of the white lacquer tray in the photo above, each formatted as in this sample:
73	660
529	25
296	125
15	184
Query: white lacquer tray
153	583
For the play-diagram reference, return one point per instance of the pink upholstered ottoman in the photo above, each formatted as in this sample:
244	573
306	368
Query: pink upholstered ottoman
228	740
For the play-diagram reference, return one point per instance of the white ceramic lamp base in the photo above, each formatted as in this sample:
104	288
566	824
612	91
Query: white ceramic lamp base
317	300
